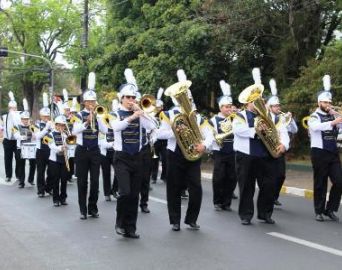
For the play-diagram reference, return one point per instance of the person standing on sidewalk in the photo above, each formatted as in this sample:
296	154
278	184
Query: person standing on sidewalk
224	176
323	128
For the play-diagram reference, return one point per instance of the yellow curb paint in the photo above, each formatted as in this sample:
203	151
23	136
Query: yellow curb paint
308	194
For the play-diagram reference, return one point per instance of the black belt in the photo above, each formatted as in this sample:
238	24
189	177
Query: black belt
87	148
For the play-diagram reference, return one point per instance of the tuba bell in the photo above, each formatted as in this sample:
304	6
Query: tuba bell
184	125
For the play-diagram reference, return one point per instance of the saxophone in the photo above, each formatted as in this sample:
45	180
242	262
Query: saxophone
184	125
269	136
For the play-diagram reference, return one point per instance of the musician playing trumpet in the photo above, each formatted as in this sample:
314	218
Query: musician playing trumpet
224	177
280	120
87	153
323	129
57	160
127	125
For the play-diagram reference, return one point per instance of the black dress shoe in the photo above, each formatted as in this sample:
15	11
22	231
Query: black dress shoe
193	225
64	203
226	208
267	220
145	209
132	235
331	215
277	203
218	207
32	183
21	185
319	217
41	195
8	179
119	230
245	222
83	216
56	204
94	214
176	227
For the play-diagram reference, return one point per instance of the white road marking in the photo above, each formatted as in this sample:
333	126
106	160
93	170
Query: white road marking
309	244
157	200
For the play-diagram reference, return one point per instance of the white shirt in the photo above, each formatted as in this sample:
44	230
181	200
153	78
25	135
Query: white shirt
165	131
9	121
119	125
243	133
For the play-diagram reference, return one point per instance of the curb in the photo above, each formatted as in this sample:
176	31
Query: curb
301	192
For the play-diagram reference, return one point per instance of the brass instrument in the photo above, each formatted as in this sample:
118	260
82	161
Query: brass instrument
47	140
287	118
269	136
65	151
33	128
184	125
98	111
148	104
74	119
305	122
227	129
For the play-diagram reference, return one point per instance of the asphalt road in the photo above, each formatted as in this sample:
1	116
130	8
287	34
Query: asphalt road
36	235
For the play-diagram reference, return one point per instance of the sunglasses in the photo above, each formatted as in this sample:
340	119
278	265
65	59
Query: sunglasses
129	97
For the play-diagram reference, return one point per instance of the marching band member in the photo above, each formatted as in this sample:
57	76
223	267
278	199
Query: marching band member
43	127
106	142
159	146
253	161
181	172
224	177
23	134
115	185
279	118
87	153
73	113
57	160
67	113
323	129
127	128
10	120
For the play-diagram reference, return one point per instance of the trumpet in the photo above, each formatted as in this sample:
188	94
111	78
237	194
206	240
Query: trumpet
47	140
98	111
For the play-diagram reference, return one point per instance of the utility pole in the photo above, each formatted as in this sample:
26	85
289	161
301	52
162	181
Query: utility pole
85	36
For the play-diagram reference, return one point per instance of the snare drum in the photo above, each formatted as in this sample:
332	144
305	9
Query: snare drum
71	151
28	151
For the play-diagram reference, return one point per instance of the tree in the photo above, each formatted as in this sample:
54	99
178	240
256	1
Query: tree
42	28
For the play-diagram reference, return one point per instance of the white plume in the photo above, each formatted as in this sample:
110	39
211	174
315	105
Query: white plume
65	95
129	76
273	86
11	96
115	105
181	75
45	100
60	107
74	102
326	82
25	105
91	81
225	88
160	93
256	75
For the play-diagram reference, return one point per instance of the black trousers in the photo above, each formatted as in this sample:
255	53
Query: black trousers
21	168
106	164
42	160
10	148
160	151
181	173
87	161
146	159
59	175
72	168
280	175
224	178
326	164
128	169
250	169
